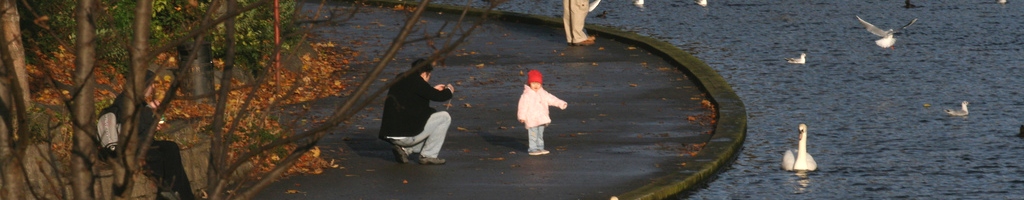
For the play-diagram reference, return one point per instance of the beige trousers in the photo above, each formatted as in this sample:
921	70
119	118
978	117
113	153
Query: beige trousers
575	12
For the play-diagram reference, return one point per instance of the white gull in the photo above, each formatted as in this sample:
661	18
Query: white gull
887	40
961	112
799	60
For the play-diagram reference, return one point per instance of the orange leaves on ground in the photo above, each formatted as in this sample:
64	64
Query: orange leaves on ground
58	68
404	8
317	74
693	149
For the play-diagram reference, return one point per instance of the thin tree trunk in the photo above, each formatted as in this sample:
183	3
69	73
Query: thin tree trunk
14	91
135	86
12	37
83	105
218	152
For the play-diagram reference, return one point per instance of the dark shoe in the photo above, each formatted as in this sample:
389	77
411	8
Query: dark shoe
400	155
431	161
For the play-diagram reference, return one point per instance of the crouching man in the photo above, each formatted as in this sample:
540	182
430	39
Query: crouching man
409	123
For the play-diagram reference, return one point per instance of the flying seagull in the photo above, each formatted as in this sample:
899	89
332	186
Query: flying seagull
887	40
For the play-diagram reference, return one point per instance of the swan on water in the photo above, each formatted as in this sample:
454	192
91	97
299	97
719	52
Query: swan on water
798	159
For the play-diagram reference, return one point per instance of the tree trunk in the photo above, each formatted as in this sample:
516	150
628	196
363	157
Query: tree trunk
12	37
218	143
131	154
83	105
13	101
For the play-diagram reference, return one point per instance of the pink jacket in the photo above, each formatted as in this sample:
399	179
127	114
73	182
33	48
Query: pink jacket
533	106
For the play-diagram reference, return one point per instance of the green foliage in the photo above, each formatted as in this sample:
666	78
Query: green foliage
172	19
255	35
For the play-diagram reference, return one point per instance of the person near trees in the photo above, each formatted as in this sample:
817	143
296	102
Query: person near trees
163	158
409	123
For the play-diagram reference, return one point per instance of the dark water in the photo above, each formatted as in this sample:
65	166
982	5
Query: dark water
870	131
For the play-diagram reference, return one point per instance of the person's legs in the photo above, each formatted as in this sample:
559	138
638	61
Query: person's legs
533	138
164	160
107	128
578	15
567	20
428	143
536	141
540	138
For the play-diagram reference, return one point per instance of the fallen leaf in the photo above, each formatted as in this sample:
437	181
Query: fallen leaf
461	129
316	152
405	181
467	105
600	48
291	191
496	159
631	48
632	85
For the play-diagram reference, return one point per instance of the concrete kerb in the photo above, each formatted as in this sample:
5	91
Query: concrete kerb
731	127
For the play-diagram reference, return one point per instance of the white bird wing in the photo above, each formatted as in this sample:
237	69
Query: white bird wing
874	30
595	3
788	159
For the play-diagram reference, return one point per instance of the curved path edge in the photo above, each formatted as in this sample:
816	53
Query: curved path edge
730	128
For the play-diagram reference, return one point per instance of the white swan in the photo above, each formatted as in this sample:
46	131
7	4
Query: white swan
639	3
703	3
887	40
798	159
799	60
961	112
1001	1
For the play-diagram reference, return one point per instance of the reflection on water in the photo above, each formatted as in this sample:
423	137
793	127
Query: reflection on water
803	180
873	136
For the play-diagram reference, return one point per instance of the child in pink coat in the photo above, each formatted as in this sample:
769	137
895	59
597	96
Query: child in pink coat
533	111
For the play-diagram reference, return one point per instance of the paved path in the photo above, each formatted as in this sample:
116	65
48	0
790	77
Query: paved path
626	124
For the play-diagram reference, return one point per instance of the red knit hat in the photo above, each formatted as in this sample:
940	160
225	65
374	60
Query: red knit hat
534	76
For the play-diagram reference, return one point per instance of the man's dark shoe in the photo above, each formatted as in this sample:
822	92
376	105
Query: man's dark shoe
400	155
431	161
